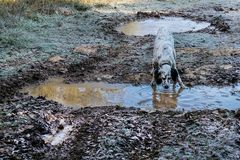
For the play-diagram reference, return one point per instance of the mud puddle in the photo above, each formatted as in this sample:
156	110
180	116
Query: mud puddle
104	94
151	26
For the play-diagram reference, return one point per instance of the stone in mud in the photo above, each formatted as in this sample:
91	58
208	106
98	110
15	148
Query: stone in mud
55	59
86	49
99	79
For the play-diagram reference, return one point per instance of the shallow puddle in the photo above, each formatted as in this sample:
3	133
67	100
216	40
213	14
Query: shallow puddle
104	94
151	26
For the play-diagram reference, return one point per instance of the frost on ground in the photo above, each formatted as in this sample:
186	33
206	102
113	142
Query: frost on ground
117	133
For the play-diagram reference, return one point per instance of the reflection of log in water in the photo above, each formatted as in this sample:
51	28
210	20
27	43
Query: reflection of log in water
165	100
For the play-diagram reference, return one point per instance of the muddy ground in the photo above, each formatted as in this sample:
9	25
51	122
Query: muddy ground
84	46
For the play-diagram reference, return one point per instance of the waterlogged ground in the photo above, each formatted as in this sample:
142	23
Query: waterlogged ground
93	94
83	46
151	26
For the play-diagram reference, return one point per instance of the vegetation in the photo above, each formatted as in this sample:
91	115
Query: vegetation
25	7
81	7
100	5
16	16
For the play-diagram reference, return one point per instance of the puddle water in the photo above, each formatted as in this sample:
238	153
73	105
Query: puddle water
151	26
104	94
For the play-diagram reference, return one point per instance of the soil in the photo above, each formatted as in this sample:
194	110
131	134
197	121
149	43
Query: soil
90	49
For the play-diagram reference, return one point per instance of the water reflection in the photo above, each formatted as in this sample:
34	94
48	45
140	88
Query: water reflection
165	100
84	94
151	26
104	94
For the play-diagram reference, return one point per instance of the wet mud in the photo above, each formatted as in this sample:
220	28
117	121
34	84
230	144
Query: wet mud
24	122
118	133
207	57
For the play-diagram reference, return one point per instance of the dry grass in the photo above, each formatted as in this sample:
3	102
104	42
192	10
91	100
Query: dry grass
25	7
15	15
11	11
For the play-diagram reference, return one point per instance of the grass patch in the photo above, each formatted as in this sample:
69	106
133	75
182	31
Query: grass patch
13	11
23	7
12	38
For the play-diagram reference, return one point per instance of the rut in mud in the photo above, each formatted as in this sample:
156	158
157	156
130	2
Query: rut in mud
151	26
118	133
93	94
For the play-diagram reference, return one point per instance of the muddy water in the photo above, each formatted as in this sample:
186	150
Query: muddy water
104	94
151	26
